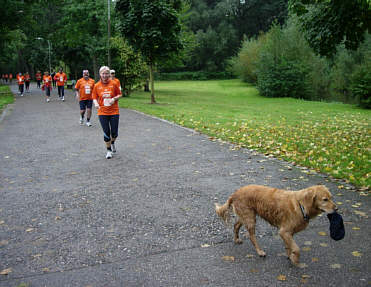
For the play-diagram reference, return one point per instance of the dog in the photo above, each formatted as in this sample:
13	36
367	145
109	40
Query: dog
289	211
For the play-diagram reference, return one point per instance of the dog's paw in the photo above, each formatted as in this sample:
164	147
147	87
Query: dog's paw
238	241
262	253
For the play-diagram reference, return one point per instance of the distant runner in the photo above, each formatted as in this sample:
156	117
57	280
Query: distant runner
27	80
84	89
20	80
38	77
47	85
61	79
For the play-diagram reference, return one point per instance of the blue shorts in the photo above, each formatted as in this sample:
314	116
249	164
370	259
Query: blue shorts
85	104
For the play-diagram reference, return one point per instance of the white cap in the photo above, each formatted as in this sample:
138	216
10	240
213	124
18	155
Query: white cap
112	71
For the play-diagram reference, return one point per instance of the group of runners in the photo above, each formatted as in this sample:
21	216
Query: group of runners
5	78
104	95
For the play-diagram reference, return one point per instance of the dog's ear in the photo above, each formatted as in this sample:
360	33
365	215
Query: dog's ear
309	196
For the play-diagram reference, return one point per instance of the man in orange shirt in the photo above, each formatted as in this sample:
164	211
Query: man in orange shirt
47	85
106	94
38	78
20	80
84	88
61	79
27	80
113	78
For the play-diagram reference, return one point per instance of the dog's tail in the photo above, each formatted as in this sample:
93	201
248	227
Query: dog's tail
225	211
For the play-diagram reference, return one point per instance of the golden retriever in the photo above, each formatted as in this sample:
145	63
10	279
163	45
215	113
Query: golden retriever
289	211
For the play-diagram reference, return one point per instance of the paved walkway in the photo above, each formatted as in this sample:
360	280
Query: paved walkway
69	217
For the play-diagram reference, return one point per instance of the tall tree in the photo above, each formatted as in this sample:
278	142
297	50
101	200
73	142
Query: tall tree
152	27
328	23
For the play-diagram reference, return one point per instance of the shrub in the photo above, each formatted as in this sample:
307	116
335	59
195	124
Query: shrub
361	85
197	76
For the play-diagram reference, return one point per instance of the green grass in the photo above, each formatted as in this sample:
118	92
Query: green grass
333	138
6	96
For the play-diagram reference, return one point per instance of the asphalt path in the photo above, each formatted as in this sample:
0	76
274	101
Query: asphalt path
70	217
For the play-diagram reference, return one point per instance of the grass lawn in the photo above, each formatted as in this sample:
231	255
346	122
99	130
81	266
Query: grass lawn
6	96
333	138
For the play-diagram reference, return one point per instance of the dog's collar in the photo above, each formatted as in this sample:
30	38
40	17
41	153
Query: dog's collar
305	215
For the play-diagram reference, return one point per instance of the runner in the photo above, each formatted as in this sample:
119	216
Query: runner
27	80
10	78
38	78
61	79
84	88
113	78
47	85
20	80
53	77
106	94
6	78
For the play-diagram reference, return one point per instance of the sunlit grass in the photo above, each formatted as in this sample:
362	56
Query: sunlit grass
6	96
333	138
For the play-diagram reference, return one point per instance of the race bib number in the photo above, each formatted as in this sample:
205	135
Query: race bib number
107	102
61	79
46	80
87	90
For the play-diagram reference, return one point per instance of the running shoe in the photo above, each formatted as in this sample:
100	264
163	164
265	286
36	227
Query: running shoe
81	121
62	99
109	154
47	100
113	148
88	124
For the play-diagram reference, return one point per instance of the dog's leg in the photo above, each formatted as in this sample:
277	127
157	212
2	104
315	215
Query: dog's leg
249	220
293	250
236	231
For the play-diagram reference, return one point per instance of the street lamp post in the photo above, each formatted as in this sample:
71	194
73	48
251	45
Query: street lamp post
49	48
109	31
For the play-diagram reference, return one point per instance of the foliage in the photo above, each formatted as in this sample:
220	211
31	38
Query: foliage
129	65
283	67
6	96
328	23
197	76
332	138
152	27
361	84
245	64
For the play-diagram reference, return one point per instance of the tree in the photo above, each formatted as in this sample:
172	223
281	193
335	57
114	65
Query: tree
327	23
152	28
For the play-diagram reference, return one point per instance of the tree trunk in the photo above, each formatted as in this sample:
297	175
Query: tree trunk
146	86
95	67
153	101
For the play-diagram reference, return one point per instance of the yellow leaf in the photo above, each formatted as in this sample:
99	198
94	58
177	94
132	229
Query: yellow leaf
249	255
29	229
205	245
254	270
306	248
2	222
6	271
322	233
335	266
356	228
46	269
356	253
281	277
315	259
323	244
228	258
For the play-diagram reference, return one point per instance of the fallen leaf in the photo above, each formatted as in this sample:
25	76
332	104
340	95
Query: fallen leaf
306	248
6	271
302	265
356	228
2	222
46	269
307	243
253	270
356	253
228	258
322	233
3	242
323	244
335	266
281	277
249	255
205	245
315	259
361	213
305	276
29	229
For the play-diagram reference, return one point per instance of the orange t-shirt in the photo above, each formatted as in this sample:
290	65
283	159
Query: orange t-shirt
103	92
47	80
85	88
38	76
10	76
60	78
27	78
20	80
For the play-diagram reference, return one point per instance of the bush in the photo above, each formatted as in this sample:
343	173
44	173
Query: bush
361	85
245	64
197	76
285	63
